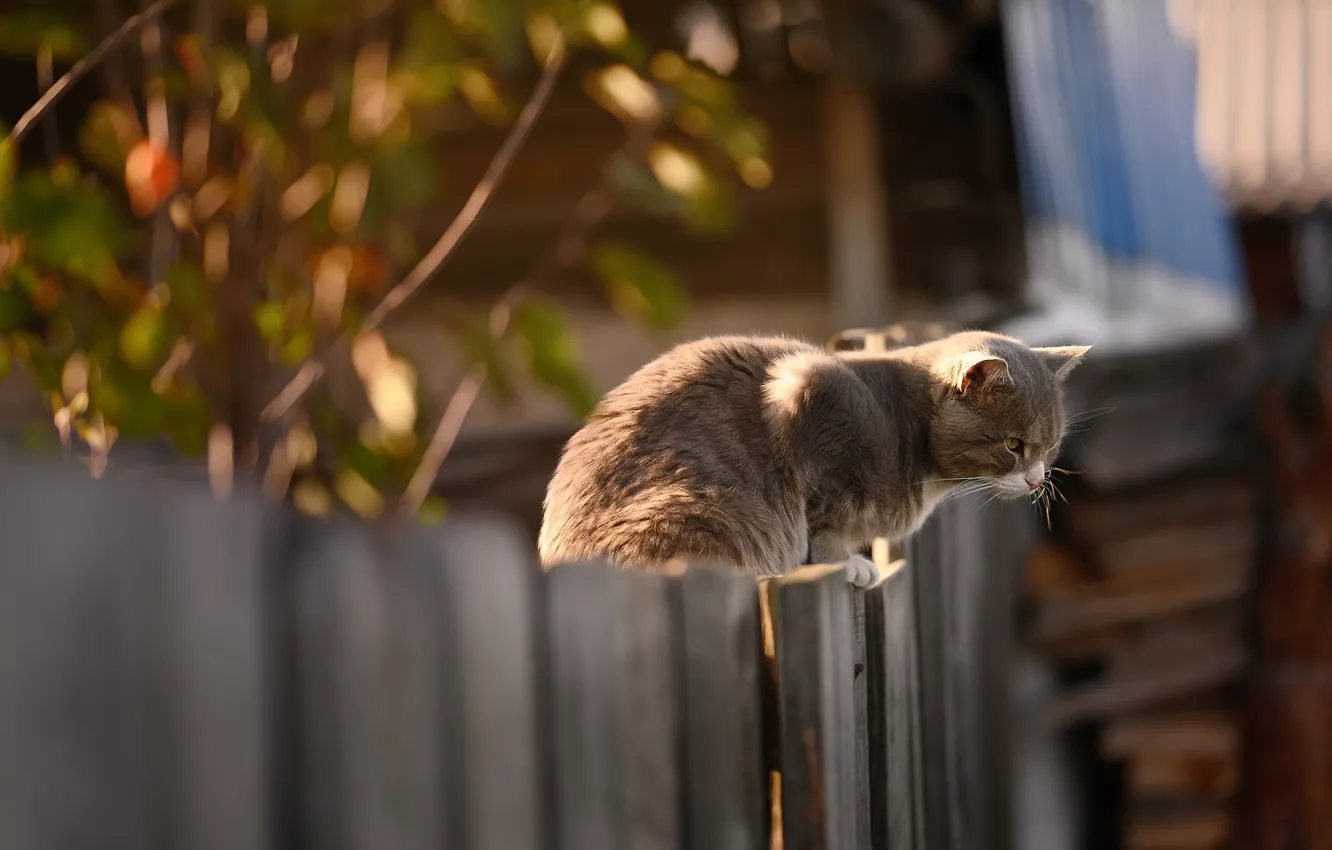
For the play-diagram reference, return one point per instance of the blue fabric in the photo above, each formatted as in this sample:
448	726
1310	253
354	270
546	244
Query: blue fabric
1104	110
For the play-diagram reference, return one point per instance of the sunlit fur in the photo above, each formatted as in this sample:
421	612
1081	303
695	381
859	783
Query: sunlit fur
759	453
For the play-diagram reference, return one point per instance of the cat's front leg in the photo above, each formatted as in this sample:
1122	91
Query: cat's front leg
829	548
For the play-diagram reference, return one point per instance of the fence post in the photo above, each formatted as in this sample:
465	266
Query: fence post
131	687
724	780
894	701
376	682
492	610
962	565
614	701
822	805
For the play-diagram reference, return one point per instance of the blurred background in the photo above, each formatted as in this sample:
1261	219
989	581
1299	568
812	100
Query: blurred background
219	255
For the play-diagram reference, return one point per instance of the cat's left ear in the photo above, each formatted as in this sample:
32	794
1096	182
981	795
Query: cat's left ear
979	370
1062	359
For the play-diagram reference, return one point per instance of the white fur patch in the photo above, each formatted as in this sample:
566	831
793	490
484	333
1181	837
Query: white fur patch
787	379
931	494
1014	483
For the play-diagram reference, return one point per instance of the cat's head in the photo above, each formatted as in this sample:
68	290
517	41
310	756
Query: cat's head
1001	411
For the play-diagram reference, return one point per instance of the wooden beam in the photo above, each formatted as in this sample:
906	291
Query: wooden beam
861	268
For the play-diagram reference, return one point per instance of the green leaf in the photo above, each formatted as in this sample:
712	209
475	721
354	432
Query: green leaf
188	286
633	180
4	362
308	15
639	287
552	355
107	136
71	225
403	181
15	309
143	337
8	165
433	511
270	318
25	34
298	349
480	346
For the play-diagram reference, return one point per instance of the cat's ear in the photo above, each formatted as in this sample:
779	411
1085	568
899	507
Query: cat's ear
1062	359
979	370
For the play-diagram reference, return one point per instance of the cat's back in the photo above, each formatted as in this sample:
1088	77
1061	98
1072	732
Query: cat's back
685	433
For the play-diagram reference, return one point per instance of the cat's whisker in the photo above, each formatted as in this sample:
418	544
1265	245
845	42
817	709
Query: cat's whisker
1088	415
1055	487
966	489
974	493
1076	428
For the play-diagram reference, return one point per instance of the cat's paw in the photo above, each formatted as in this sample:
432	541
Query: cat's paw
860	571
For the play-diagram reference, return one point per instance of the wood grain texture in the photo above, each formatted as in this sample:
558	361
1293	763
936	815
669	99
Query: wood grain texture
967	564
378	694
812	616
893	702
491	594
723	778
616	781
131	696
176	671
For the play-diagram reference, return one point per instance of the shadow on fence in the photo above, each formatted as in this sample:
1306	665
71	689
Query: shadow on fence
176	672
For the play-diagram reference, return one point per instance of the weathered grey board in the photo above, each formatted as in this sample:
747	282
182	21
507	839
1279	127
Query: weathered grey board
378	694
928	547
131	699
965	564
860	703
894	702
491	598
613	699
179	672
821	803
719	646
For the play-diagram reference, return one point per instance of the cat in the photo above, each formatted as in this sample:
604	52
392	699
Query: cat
762	454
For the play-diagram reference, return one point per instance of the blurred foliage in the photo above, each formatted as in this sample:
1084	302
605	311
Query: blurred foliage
261	187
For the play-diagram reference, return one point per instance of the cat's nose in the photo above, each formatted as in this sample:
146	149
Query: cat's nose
1035	476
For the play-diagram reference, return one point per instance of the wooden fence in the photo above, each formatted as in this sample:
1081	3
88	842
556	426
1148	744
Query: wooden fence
175	672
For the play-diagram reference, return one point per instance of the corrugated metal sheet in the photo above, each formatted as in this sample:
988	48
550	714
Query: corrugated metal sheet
1264	117
1119	209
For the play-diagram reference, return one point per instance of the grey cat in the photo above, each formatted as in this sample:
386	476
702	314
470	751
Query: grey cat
763	454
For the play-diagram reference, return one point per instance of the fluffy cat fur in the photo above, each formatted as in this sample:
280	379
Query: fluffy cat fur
763	454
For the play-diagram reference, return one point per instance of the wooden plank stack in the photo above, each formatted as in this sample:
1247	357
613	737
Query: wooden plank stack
177	672
1147	581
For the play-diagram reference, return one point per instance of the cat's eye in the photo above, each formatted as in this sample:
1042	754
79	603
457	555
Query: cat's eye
1013	444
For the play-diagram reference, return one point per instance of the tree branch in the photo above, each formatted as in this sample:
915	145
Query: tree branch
567	250
312	370
81	68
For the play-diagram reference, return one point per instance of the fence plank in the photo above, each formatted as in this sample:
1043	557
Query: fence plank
860	701
131	703
614	703
812	618
212	570
964	572
894	742
724	781
491	603
929	559
372	672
